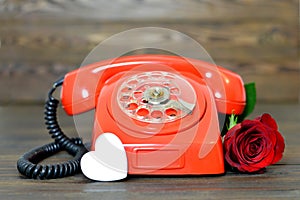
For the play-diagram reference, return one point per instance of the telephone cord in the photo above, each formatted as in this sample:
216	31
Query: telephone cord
28	164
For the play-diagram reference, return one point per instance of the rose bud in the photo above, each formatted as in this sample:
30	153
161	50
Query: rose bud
252	145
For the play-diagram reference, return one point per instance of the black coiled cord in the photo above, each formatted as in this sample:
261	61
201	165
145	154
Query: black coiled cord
28	163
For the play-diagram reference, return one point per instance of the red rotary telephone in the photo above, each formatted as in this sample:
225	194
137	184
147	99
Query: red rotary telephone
161	109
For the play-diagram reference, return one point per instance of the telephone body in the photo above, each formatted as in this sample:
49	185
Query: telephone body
163	108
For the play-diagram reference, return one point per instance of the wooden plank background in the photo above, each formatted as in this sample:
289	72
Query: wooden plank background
280	181
42	40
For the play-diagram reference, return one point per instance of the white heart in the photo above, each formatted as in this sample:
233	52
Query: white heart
108	162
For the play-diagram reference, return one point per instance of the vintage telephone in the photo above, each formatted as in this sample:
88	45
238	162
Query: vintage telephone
156	114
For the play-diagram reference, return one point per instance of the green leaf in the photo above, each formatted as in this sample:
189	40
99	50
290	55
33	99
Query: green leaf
232	121
250	100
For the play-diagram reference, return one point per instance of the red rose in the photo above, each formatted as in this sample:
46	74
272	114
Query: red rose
253	144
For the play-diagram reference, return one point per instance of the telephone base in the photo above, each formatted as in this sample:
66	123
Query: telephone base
173	160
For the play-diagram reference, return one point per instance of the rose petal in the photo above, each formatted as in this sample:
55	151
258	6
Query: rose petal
231	132
248	168
247	124
254	149
265	160
268	120
248	138
279	148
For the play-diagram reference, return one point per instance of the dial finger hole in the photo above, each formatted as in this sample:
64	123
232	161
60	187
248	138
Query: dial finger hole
125	98
171	112
156	75
167	84
157	114
126	89
132	106
169	77
132	82
138	94
142	112
143	77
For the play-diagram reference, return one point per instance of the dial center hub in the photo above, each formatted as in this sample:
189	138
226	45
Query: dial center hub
157	95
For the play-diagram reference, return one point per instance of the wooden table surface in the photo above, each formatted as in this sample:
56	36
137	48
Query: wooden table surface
22	128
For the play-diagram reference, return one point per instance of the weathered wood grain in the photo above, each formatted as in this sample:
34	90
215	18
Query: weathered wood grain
22	128
42	41
152	9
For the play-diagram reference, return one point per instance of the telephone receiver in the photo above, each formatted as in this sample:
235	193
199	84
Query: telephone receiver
154	115
82	87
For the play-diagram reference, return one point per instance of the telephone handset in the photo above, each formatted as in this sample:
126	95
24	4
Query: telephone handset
161	110
80	92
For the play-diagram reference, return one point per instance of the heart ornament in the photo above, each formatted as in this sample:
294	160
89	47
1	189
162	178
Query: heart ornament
108	162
